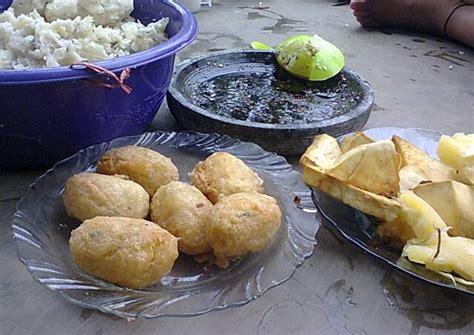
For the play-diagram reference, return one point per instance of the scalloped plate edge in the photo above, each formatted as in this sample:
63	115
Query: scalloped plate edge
140	139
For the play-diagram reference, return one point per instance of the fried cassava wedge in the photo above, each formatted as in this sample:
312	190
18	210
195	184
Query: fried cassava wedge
432	246
458	151
373	204
417	166
454	202
396	233
323	152
352	141
319	158
372	167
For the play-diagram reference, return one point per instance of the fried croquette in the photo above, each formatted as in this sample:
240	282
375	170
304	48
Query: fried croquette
142	165
129	252
222	174
183	210
242	223
87	195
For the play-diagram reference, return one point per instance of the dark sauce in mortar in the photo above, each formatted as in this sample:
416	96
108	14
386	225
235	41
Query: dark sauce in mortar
276	97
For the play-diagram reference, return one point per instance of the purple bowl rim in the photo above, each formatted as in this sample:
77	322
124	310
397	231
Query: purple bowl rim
184	37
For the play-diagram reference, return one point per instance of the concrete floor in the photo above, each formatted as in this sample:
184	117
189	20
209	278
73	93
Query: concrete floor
419	81
413	76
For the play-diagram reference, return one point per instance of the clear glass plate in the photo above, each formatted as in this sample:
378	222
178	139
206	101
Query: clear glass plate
359	228
41	230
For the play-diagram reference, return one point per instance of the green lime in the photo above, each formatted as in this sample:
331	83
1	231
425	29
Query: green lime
310	57
260	46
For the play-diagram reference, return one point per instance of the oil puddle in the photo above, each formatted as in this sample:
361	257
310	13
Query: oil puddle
300	312
453	58
210	42
341	2
282	24
255	15
86	314
425	305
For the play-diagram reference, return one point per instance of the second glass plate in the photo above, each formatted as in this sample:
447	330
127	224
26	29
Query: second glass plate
359	228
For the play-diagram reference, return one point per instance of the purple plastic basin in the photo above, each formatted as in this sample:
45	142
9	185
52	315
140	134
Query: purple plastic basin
47	114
